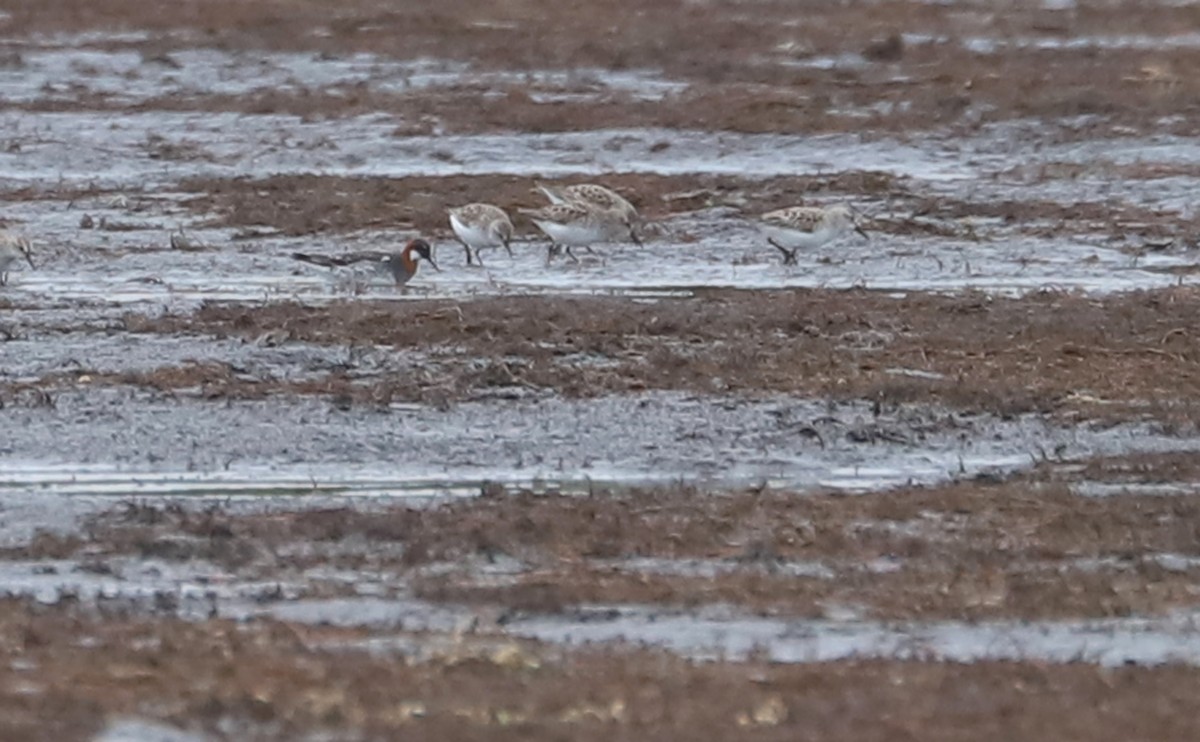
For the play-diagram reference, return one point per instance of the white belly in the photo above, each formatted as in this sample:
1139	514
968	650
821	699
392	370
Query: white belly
794	239
472	235
575	235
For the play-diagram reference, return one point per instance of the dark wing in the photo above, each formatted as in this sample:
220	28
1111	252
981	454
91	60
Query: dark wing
563	213
332	261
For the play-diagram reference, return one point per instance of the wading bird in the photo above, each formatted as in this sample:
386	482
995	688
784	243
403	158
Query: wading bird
401	266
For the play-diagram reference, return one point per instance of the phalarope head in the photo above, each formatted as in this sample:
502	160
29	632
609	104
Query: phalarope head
423	252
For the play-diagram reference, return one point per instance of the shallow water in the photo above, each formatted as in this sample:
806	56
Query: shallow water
715	248
98	447
724	634
1088	488
38	352
717	632
196	590
102	445
48	71
718	246
131	729
189	589
111	150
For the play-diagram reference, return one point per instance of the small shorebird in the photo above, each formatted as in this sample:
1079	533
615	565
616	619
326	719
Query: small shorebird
577	225
800	227
590	194
12	249
481	225
401	266
179	240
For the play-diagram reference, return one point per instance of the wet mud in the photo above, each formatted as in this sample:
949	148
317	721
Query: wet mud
511	690
900	489
1050	352
514	588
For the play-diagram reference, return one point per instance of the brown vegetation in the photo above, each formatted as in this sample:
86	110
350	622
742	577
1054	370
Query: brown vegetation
297	205
306	204
65	674
1028	548
748	73
1050	352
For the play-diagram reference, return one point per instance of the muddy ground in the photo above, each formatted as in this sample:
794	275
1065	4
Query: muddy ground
759	67
300	205
1026	547
93	653
281	676
1051	352
936	483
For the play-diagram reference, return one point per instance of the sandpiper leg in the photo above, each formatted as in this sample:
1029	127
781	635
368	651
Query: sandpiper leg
468	249
571	255
789	256
478	259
